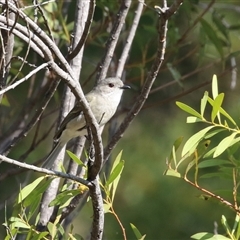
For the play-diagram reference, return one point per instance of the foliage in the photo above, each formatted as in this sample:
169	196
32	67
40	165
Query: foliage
202	38
24	220
205	161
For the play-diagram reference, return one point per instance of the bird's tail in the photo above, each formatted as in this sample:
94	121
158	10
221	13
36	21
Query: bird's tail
48	163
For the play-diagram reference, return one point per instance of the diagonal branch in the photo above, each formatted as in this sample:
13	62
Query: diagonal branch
124	56
112	41
85	33
42	66
98	213
45	171
164	15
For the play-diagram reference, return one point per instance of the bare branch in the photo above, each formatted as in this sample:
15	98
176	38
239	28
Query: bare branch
112	41
44	65
85	33
98	213
129	40
46	171
7	145
196	21
162	30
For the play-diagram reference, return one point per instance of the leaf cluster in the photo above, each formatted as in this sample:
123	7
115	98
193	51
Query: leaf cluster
200	160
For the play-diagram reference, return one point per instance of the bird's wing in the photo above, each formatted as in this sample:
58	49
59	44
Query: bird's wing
75	112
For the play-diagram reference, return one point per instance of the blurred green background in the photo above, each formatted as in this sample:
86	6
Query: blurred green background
159	206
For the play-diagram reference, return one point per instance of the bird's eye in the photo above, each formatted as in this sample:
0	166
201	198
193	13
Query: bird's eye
111	85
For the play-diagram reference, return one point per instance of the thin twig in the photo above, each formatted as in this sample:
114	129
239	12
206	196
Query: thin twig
42	66
86	30
210	194
38	6
127	46
47	97
46	171
98	213
164	15
112	41
196	21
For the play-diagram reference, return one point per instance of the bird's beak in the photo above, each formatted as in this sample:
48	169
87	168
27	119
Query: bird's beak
125	87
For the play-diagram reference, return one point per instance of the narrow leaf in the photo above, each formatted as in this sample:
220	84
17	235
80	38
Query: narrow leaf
28	189
137	233
113	185
209	236
63	197
212	163
211	33
188	109
75	159
223	112
224	144
173	173
216	107
193	141
214	86
115	172
175	147
203	103
220	25
192	119
175	73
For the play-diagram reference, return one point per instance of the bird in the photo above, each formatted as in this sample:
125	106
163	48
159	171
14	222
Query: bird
103	100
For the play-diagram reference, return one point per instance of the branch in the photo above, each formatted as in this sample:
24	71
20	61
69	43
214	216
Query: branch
46	171
196	21
44	65
98	213
164	14
49	213
85	33
7	145
112	41
214	196
129	40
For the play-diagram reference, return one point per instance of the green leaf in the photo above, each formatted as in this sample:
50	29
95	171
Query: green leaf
223	112
64	197
75	159
175	147
188	109
18	223
195	154
224	144
209	236
173	173
178	142
214	132
217	103
115	172
38	191
211	33
226	226
236	227
5	101
193	141
175	73
218	20
137	233
192	119
203	103
28	189
214	86
106	207
212	163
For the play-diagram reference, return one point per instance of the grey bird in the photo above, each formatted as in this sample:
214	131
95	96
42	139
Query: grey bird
103	100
